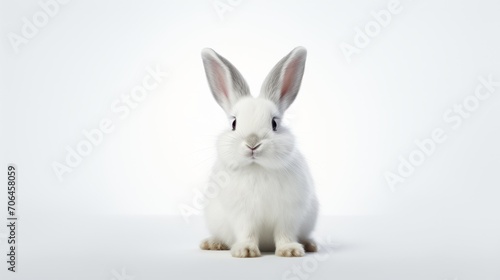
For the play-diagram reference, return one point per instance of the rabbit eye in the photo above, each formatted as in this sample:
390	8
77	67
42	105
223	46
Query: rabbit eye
274	124
233	124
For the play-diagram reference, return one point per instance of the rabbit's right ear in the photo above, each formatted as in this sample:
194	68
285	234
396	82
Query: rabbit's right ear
226	83
283	83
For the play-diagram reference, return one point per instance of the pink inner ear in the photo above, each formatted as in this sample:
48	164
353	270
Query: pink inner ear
289	78
220	78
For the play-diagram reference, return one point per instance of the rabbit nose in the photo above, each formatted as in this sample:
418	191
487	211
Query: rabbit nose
252	141
253	148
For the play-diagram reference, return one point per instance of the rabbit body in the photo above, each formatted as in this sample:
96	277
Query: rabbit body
264	195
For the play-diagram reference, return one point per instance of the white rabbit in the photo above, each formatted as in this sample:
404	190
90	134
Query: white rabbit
266	200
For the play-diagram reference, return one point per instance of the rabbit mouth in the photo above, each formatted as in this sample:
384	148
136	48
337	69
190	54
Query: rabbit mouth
254	150
253	155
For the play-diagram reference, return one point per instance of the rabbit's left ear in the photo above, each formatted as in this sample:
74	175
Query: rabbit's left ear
283	83
226	83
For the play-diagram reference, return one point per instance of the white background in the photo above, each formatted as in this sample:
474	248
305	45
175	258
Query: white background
352	119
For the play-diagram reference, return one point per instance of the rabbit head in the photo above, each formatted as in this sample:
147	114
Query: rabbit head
255	135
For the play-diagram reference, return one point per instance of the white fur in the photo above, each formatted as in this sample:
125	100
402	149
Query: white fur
266	199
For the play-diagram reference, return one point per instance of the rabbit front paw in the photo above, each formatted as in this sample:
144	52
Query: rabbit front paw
245	250
292	249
